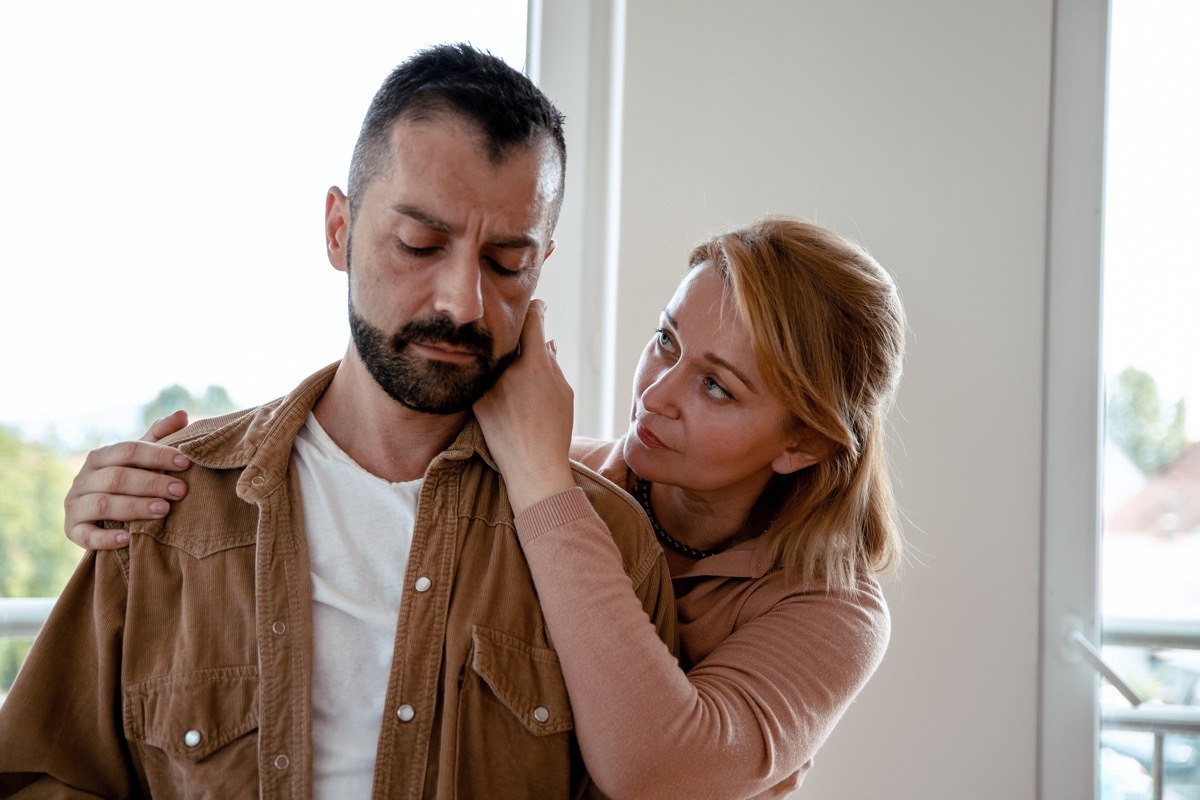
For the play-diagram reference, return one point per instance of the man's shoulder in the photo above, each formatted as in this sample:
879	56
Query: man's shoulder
611	501
230	439
214	515
626	521
225	430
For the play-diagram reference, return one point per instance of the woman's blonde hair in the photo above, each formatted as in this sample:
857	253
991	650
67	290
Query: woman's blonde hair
827	329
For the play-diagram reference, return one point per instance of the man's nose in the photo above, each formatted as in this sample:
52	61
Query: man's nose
459	289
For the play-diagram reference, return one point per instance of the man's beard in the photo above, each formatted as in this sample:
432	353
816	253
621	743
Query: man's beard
422	384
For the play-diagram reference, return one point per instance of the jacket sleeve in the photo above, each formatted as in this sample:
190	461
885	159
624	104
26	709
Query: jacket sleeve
746	718
61	732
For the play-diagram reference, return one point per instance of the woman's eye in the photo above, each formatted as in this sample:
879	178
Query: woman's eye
664	339
716	390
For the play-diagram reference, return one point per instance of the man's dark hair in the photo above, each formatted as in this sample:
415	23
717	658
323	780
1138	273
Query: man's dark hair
505	104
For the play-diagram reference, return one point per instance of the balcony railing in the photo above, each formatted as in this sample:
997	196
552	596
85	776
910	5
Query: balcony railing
22	617
1159	720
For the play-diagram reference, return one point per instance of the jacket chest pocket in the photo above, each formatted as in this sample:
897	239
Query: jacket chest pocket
194	734
514	726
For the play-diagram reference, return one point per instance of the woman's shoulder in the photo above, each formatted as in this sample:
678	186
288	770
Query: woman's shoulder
859	614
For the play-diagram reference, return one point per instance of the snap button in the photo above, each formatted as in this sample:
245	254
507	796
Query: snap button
191	738
278	628
541	713
257	480
422	584
282	762
405	713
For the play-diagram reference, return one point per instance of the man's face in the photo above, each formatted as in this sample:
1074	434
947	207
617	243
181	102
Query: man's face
443	255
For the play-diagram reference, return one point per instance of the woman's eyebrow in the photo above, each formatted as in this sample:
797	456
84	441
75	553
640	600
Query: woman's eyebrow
713	358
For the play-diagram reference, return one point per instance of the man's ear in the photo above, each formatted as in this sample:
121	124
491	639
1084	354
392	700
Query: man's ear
337	228
807	448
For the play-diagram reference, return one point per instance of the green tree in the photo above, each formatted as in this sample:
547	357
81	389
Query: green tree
36	559
1138	421
213	402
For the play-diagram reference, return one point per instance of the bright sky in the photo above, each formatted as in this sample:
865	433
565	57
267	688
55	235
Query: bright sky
165	168
1152	278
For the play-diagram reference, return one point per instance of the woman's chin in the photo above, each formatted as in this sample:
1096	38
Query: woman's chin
645	462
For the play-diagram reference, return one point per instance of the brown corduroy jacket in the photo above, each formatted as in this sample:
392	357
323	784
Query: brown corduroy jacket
181	666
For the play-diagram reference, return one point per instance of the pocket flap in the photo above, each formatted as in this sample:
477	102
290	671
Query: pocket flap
527	679
192	714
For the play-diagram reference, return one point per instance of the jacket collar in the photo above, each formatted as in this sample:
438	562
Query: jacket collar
259	440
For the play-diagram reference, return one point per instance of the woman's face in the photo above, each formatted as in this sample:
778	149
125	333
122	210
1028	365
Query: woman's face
703	418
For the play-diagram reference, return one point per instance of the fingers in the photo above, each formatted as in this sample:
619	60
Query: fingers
92	537
142	455
164	427
122	483
123	495
533	334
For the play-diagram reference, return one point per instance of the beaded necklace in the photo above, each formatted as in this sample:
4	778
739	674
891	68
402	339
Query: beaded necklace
641	490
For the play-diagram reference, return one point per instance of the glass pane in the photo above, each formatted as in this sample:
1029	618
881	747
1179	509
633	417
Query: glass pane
165	169
1151	538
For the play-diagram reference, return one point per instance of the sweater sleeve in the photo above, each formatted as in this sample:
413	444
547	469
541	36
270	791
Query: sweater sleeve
747	718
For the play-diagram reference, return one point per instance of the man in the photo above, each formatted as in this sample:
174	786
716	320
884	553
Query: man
339	606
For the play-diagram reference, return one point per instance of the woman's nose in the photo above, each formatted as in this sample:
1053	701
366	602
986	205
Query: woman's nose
660	395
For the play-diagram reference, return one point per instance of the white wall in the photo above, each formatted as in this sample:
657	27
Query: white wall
921	130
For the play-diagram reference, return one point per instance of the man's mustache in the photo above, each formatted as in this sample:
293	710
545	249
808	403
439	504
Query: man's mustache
442	330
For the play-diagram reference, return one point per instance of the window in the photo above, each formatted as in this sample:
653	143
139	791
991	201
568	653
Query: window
1150	545
165	170
1120	557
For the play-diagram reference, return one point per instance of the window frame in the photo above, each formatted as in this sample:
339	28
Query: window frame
1068	763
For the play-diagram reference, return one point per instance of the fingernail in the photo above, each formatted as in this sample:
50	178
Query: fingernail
122	538
176	490
159	508
182	461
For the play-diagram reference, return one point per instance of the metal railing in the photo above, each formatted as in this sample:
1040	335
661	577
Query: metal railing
23	617
1159	720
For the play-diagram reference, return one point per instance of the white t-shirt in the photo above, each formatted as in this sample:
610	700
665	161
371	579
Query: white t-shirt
359	531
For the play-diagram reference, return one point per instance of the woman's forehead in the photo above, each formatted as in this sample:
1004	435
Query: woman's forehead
703	294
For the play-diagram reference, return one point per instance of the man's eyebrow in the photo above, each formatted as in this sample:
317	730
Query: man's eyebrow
518	242
425	219
713	358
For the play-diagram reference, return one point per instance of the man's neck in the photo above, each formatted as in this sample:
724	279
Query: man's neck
383	437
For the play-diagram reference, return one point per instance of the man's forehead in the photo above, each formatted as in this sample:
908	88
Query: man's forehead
530	177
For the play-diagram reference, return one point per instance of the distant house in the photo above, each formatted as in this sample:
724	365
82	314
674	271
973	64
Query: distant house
1123	479
1168	503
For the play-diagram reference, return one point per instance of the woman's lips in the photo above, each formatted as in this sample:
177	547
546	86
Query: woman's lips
646	437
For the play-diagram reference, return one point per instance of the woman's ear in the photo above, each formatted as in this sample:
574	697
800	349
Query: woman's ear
807	448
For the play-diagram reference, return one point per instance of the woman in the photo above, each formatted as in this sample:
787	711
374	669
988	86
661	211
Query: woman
756	445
